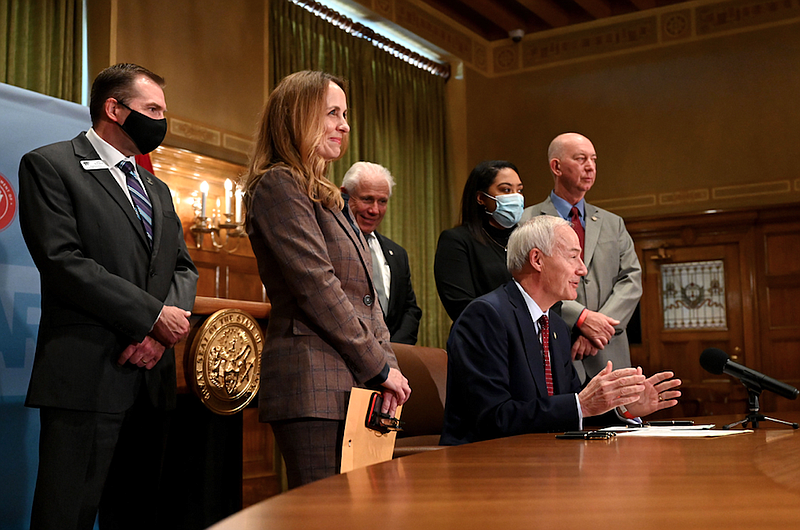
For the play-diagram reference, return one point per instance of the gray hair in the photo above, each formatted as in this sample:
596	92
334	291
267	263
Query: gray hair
359	170
539	232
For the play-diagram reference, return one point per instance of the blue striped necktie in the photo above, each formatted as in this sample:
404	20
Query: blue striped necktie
141	204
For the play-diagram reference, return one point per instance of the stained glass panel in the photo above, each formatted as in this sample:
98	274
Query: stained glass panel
693	295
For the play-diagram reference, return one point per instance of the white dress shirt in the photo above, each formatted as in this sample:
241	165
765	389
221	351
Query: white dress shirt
111	157
386	276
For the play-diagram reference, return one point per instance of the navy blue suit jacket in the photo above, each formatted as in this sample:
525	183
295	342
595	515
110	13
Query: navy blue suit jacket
495	377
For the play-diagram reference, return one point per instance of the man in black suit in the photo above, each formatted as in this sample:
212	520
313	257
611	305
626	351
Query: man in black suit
509	362
117	284
368	188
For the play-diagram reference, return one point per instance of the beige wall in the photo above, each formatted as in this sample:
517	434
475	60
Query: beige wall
212	54
674	127
711	122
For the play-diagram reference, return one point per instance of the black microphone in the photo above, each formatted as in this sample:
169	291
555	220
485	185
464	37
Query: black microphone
717	361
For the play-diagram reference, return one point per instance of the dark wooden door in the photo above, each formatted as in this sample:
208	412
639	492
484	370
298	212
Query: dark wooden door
693	301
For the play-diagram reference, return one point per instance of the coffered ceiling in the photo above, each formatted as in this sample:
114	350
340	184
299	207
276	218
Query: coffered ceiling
494	19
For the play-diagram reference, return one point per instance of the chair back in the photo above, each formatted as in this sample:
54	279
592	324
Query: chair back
423	414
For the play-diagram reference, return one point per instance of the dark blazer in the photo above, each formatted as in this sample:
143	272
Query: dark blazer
495	374
102	288
465	268
326	332
404	314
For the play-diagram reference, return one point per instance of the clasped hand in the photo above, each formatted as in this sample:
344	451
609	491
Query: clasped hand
171	327
598	329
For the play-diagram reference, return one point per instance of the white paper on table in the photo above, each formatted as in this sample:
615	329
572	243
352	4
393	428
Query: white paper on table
626	428
677	431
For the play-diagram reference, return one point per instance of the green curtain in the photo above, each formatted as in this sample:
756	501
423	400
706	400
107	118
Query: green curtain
397	119
40	46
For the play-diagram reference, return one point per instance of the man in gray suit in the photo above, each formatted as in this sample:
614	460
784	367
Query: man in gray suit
117	285
610	291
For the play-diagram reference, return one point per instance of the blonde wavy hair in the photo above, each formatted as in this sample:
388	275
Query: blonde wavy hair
291	128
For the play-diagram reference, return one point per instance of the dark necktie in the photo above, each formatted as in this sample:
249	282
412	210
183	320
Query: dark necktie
544	325
141	204
575	221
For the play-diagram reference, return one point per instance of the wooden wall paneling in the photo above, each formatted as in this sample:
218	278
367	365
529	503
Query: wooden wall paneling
698	238
778	279
208	282
261	464
762	249
230	276
679	349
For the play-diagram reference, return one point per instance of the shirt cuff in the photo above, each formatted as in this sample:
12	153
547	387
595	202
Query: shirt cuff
627	417
580	413
581	318
379	379
156	320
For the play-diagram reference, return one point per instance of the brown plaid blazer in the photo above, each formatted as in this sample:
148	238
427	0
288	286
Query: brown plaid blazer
326	332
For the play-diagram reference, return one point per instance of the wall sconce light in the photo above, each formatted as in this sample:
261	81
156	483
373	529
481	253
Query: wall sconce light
225	229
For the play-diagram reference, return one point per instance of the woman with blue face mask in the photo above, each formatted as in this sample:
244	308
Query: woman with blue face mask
471	258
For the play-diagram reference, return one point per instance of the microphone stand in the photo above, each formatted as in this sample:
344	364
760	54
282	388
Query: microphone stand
754	392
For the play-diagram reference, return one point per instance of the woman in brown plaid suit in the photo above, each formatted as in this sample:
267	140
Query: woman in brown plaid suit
326	332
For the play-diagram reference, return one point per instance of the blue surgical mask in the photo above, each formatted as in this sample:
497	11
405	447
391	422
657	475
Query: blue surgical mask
509	209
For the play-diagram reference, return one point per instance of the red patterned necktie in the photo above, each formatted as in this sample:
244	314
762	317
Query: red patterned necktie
544	325
575	221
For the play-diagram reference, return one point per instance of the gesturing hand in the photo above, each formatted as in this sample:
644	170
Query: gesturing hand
657	395
608	390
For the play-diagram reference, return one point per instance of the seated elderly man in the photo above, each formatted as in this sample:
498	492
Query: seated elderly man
509	367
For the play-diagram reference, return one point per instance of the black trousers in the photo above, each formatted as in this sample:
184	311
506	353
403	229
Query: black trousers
91	461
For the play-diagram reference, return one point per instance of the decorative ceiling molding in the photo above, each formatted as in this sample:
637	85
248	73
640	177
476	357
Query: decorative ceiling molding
607	36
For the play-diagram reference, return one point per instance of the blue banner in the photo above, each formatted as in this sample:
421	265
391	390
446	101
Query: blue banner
27	120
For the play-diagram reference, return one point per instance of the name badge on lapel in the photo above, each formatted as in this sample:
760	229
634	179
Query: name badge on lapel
92	165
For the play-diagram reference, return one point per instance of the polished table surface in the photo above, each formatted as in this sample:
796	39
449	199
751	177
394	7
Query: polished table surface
536	481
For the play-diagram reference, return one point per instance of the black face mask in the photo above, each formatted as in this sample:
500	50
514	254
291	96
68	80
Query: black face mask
145	132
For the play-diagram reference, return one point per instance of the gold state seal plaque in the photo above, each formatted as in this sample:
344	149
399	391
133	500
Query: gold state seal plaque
225	361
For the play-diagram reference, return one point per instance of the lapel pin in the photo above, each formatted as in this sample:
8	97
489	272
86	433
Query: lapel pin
391	252
149	180
594	218
555	335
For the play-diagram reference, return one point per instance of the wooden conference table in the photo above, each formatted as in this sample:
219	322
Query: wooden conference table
535	481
